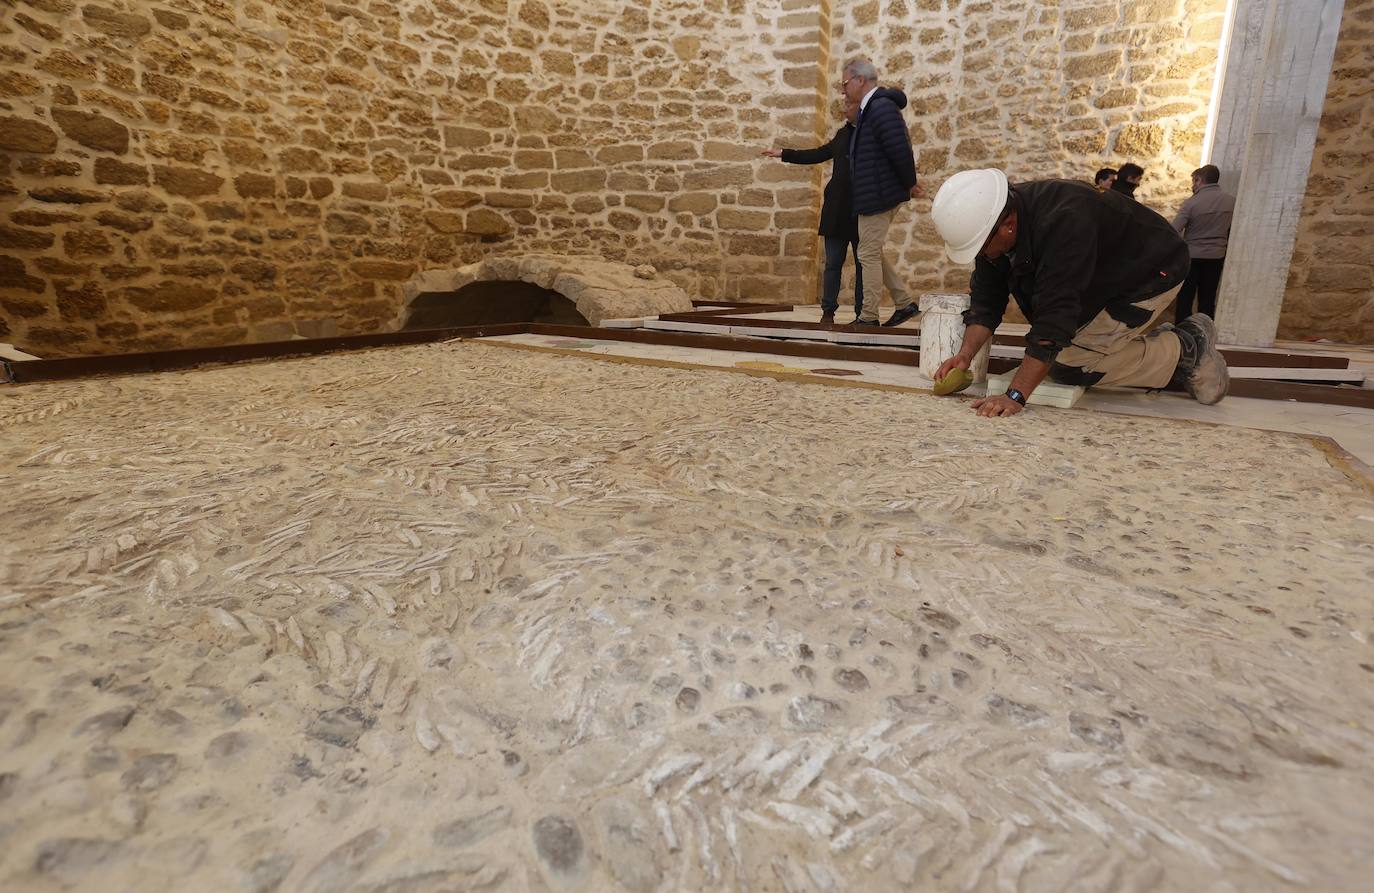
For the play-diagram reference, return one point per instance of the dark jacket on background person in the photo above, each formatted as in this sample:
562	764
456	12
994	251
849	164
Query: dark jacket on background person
881	162
1078	251
837	208
1125	188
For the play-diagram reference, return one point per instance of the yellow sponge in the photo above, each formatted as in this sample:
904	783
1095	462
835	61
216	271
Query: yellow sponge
955	380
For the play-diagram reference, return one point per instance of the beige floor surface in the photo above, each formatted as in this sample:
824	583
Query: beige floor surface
469	617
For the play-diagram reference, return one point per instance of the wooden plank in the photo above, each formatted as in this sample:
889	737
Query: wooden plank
668	325
82	367
1279	373
1339	395
854	353
189	357
1237	356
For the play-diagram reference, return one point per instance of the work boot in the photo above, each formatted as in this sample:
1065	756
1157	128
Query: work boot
902	315
1201	368
828	318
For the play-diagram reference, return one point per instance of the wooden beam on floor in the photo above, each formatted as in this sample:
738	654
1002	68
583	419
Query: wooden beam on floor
61	368
167	360
739	320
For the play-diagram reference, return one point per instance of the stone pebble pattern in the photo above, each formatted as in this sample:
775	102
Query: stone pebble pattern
460	617
200	172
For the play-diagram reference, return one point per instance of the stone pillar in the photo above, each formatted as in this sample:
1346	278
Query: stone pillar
1277	67
942	333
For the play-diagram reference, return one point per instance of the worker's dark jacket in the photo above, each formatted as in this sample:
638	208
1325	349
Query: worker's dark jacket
1078	251
837	208
882	165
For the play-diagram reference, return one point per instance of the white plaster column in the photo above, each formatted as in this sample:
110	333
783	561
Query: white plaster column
942	333
1270	106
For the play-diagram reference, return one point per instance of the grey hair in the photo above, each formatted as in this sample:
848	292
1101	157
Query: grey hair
859	66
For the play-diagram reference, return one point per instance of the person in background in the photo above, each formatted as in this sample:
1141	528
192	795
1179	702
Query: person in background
883	168
1204	221
839	226
1128	179
1104	179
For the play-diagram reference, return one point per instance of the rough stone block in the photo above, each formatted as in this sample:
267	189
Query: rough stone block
733	219
647	203
1097	65
86	242
532	180
620	154
456	198
382	269
370	192
693	203
533	159
187	181
1335	277
719	177
85	300
680	150
168	297
484	222
14	237
754	245
444	221
572	159
114	23
26	135
14	276
255	185
579	181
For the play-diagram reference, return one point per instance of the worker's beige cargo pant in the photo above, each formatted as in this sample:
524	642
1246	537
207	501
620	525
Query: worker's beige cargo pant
1110	352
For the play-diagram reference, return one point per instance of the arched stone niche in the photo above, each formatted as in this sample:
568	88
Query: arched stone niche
537	288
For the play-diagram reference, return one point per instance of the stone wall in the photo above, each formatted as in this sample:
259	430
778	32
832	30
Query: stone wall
1331	282
1040	90
194	171
197	171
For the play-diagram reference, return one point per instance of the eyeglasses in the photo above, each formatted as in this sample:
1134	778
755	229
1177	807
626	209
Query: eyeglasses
845	83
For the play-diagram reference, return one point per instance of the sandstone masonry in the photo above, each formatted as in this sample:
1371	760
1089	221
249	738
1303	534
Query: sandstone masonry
1331	283
195	171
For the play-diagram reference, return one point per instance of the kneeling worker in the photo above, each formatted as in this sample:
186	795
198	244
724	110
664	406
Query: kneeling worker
1090	270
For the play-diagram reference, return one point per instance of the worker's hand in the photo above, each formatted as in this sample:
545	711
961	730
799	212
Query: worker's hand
917	191
958	361
996	405
772	153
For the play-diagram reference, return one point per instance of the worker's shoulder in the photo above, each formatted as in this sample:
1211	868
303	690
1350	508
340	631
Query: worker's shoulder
1047	193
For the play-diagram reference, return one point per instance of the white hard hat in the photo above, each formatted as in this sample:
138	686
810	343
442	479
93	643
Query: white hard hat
966	209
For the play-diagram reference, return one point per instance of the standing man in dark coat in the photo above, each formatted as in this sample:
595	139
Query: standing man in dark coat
839	226
884	172
1091	271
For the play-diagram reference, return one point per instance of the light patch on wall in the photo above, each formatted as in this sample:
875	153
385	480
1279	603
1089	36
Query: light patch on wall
1218	82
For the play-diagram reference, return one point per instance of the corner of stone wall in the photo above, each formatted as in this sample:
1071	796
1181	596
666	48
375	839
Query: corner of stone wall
1331	278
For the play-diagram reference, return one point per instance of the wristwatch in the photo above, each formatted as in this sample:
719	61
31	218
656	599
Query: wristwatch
1016	395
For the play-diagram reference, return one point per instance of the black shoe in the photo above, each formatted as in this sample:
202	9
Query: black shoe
902	315
828	318
865	324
